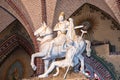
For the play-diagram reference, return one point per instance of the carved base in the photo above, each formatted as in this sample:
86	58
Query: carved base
70	76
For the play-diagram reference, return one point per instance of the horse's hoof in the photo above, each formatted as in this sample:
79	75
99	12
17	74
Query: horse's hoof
56	74
42	76
83	72
86	74
34	67
76	70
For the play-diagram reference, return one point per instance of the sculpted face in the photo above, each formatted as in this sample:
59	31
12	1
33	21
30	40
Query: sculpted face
61	18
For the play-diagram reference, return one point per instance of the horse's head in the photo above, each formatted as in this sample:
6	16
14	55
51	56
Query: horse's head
41	30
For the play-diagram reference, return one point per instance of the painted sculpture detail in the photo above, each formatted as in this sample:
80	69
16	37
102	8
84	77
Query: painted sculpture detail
67	45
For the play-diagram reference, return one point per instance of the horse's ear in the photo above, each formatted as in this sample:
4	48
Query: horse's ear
41	24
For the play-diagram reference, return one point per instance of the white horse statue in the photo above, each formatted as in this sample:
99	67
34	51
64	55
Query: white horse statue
45	35
73	55
45	46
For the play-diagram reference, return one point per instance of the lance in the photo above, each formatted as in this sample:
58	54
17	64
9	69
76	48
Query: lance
83	32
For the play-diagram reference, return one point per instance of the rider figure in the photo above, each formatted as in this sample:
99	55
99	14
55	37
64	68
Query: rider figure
61	28
62	38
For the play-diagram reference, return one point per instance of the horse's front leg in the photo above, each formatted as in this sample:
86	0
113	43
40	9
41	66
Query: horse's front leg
46	64
33	58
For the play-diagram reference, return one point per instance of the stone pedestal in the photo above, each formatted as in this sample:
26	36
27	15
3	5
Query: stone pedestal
70	76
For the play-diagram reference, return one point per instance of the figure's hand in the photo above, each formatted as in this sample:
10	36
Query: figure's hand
70	19
83	31
80	26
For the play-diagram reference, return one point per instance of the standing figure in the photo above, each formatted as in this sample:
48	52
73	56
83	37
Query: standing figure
71	32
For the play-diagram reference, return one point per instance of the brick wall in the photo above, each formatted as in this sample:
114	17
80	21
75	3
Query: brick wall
70	6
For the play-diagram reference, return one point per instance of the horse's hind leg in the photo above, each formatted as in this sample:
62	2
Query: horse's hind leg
52	66
57	71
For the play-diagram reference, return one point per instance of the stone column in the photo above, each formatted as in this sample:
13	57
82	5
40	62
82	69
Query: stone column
43	9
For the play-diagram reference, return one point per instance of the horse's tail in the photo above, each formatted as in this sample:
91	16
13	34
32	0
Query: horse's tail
88	48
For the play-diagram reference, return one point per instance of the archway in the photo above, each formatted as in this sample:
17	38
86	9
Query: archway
16	48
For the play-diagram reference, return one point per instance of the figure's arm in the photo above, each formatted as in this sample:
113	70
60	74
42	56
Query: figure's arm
64	27
56	28
80	26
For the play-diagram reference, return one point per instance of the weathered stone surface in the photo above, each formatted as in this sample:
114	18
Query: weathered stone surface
70	76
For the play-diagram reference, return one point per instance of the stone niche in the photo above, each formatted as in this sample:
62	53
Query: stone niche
16	66
14	55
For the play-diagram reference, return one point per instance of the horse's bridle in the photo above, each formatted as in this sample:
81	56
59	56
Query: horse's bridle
46	35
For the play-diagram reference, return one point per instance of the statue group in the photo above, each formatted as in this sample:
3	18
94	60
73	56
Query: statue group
67	44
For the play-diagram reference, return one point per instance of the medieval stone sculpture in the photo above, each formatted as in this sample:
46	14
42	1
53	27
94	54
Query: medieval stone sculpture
67	45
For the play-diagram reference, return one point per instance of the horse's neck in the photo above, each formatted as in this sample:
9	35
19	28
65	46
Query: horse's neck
47	38
48	35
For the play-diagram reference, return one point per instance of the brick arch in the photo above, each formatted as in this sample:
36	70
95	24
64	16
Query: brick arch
69	8
22	18
9	55
11	43
97	9
115	7
28	27
98	66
